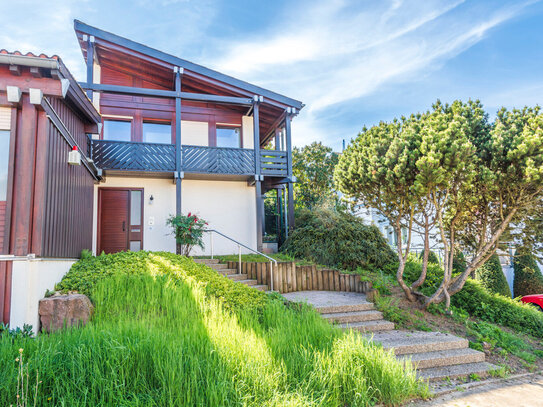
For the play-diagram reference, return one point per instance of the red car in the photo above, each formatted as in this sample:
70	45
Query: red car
534	299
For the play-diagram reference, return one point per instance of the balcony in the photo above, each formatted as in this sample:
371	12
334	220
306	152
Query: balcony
122	156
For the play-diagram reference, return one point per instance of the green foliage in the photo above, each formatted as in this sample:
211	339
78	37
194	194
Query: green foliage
85	274
403	319
459	262
492	278
159	337
255	257
313	166
337	239
432	257
495	308
16	333
434	275
188	231
528	277
85	254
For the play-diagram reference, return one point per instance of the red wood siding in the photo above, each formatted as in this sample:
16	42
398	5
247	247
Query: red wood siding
3	205
5	290
68	193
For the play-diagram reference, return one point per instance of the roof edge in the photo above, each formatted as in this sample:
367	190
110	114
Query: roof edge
176	61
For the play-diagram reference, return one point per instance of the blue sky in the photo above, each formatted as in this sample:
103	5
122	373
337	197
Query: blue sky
353	63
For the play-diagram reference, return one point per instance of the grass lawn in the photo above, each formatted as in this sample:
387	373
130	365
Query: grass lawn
169	332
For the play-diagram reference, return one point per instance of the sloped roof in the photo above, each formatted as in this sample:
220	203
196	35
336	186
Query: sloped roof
83	28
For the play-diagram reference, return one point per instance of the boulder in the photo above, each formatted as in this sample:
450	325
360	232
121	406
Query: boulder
62	311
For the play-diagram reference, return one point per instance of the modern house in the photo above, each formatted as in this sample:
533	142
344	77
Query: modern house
155	135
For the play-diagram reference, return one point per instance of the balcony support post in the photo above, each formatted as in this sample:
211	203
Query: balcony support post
258	177
178	152
290	187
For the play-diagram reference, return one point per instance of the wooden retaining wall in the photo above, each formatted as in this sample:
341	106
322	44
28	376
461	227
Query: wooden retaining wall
289	277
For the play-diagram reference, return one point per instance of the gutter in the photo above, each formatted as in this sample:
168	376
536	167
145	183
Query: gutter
48	63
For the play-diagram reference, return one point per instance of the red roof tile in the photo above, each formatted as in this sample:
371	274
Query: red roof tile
28	54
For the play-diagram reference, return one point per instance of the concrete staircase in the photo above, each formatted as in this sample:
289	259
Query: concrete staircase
232	274
436	355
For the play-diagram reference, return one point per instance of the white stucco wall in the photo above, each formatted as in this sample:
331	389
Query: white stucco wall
30	280
194	133
228	206
247	130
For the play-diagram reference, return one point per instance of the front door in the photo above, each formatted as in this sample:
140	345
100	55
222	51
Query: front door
120	219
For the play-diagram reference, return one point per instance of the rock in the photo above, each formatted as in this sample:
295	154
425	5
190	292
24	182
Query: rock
64	310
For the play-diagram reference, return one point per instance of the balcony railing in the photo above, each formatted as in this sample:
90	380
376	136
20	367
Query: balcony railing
152	157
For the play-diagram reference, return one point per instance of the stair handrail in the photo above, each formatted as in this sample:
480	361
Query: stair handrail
240	245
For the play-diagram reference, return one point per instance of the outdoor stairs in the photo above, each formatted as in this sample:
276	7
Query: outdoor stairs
436	355
232	274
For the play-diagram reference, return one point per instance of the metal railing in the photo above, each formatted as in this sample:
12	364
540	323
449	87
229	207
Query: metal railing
240	245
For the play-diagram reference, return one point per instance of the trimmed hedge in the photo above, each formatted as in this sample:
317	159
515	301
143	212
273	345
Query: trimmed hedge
528	278
498	309
492	278
86	273
337	239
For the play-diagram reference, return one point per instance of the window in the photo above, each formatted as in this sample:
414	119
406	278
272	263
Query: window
4	160
228	136
117	130
157	133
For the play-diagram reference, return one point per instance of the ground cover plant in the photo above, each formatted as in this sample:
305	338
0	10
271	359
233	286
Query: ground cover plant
169	332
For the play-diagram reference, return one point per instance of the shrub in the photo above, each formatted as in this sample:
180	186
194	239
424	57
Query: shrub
492	278
498	309
337	239
432	257
528	277
188	231
459	262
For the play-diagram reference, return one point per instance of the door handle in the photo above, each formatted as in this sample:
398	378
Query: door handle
124	226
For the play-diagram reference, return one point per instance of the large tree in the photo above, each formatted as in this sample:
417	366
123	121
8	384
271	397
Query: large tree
313	166
449	168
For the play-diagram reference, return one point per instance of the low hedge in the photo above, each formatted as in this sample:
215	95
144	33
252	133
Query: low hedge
337	239
84	275
528	278
492	278
498	309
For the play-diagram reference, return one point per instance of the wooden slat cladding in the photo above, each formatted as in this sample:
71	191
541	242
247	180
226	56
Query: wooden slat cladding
5	290
3	207
68	194
73	122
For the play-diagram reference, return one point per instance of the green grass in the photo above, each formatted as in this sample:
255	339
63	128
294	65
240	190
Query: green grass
167	332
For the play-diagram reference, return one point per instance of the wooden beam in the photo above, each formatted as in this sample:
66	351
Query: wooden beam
201	97
90	64
24	82
35	72
15	70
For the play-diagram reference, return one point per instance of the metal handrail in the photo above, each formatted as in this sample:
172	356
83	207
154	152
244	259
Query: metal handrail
240	245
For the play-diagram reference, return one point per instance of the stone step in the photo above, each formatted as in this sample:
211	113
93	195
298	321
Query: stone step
226	272
356	316
237	277
369	326
481	369
248	282
367	306
206	261
217	266
404	342
442	358
261	287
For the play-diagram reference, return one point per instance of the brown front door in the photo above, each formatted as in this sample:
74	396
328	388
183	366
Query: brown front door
120	219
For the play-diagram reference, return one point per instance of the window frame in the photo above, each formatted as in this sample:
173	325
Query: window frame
229	126
117	119
159	121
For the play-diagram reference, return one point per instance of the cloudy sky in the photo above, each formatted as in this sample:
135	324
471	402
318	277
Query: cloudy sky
352	63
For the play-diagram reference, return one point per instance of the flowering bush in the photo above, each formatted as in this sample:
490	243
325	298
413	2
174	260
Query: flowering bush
188	231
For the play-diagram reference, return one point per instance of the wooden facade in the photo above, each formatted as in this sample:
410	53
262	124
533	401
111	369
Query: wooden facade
48	210
129	81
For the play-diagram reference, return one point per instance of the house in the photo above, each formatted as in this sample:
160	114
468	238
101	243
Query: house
155	136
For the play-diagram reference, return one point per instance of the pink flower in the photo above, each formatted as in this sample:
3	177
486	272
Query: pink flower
189	215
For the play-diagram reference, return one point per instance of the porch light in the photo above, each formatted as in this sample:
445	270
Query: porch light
74	156
151	199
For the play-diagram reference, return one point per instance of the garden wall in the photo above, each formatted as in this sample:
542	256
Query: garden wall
289	277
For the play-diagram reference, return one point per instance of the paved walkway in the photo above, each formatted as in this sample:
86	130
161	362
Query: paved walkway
321	299
526	391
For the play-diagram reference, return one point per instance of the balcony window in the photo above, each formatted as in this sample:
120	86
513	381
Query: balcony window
157	133
228	136
117	130
4	161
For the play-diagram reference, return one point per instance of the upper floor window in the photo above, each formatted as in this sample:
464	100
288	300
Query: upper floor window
228	136
157	132
4	160
117	130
